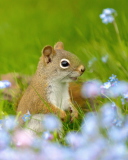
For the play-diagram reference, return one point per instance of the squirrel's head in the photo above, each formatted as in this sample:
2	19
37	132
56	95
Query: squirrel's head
60	65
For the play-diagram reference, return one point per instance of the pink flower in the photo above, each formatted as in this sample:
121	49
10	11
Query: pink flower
91	89
22	138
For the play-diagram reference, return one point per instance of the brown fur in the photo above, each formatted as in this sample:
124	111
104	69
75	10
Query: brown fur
15	92
35	98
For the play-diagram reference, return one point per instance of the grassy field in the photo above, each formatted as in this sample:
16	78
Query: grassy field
27	26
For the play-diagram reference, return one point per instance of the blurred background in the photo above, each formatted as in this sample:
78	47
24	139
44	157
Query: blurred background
27	26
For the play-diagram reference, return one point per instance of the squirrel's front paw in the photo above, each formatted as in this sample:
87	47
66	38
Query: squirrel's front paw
63	115
74	113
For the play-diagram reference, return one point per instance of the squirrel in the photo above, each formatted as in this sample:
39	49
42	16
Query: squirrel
48	91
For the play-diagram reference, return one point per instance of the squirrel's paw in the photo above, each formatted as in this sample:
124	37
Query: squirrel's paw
74	113
62	115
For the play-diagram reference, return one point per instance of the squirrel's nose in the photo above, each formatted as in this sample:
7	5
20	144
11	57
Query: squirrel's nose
81	69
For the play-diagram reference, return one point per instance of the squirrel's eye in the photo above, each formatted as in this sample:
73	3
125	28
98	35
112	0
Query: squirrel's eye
64	63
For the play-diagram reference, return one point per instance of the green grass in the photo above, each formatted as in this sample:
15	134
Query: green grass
27	26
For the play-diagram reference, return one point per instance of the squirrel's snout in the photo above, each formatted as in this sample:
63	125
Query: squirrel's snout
81	69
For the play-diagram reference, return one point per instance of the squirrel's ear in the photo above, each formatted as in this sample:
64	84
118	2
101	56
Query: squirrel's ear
59	45
48	53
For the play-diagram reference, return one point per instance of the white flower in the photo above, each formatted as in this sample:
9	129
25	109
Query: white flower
107	85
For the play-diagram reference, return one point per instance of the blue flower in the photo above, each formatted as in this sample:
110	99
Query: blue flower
125	95
75	139
107	19
9	123
1	124
119	89
51	123
91	62
113	78
123	101
108	115
117	122
4	139
26	116
116	82
91	88
90	124
117	134
108	15
109	11
114	106
4	84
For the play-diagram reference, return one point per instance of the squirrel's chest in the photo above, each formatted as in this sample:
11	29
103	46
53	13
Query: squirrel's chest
58	95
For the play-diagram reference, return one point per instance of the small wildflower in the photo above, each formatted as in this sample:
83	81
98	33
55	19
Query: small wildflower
115	83
22	138
123	101
114	106
1	124
104	58
109	11
108	19
53	151
9	123
74	139
90	124
37	143
91	89
113	78
125	95
90	63
4	139
107	85
118	123
108	15
51	123
26	116
114	134
4	84
9	153
47	135
120	89
108	114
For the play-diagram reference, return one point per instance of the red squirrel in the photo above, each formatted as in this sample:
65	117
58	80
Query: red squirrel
48	91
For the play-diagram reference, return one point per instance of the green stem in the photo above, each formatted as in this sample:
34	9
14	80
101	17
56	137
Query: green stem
117	31
107	97
119	39
17	116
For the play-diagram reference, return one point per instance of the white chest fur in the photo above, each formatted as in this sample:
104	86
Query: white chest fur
58	95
